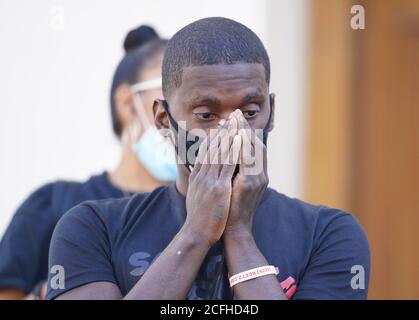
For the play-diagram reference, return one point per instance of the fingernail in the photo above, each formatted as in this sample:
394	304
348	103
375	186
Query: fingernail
222	122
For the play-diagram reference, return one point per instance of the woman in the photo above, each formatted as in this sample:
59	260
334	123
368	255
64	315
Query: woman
146	163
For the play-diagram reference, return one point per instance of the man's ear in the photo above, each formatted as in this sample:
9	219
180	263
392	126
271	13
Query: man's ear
160	115
272	120
124	105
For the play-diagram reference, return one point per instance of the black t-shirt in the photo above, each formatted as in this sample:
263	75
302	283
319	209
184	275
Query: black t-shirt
25	244
314	247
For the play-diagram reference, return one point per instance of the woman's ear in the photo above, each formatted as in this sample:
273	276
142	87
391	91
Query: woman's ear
124	105
160	115
272	103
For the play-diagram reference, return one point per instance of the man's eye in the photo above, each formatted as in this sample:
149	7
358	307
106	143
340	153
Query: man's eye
250	113
206	116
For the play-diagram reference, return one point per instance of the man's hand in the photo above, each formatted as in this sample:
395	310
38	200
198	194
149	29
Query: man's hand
207	205
240	247
210	189
247	189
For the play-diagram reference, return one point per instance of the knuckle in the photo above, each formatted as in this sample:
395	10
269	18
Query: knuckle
247	185
217	188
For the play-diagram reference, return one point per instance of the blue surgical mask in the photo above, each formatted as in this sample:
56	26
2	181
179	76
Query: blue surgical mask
156	155
154	151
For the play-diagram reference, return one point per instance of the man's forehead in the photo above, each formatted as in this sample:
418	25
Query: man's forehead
243	79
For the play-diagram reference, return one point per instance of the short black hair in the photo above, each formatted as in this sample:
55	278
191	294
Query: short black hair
141	44
209	41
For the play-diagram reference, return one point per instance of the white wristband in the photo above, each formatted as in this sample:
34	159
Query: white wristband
252	274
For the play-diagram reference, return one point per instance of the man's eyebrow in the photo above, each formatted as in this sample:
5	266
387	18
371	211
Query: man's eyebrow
205	100
256	95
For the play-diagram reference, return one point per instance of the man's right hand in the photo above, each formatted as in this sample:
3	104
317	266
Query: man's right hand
210	183
171	275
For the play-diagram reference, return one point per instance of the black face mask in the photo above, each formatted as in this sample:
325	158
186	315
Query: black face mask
191	139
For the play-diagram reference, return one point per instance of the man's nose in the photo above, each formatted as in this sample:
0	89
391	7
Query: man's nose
226	114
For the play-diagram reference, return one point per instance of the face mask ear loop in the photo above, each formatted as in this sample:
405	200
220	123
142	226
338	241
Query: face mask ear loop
171	120
138	104
133	132
270	112
139	108
265	130
175	126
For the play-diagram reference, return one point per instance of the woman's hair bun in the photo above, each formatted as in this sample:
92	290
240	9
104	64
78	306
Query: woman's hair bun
138	37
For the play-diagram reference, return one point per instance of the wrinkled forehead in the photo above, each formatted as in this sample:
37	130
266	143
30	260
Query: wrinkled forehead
222	82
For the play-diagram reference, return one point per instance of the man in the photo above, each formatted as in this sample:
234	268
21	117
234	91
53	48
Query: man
219	222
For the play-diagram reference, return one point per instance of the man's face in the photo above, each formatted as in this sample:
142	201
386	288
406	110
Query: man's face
210	93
